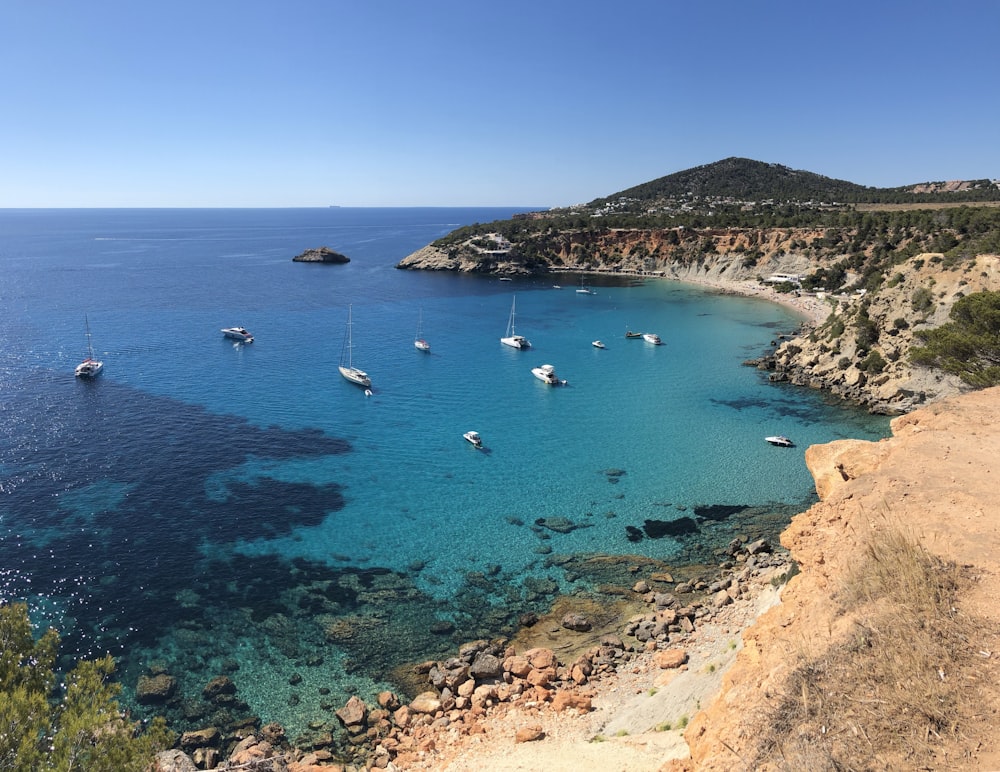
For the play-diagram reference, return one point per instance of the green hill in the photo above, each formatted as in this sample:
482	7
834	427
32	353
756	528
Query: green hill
742	180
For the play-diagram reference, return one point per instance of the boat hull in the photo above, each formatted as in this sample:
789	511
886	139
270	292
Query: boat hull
516	341
238	333
89	369
546	374
422	345
354	375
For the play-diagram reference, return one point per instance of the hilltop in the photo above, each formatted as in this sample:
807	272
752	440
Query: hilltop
745	181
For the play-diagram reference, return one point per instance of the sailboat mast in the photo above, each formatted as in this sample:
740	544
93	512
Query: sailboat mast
90	347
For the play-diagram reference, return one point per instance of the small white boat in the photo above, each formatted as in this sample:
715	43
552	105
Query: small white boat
547	374
347	368
780	441
556	286
89	367
418	342
598	344
238	333
652	337
512	338
474	438
506	278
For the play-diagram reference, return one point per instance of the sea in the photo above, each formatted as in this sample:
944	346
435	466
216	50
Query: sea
206	507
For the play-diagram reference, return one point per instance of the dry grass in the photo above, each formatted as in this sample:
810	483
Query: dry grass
903	690
928	205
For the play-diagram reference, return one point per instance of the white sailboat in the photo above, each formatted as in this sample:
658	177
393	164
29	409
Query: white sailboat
512	338
418	341
89	367
347	368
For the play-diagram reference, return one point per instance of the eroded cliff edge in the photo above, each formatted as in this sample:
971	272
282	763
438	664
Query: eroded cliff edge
935	480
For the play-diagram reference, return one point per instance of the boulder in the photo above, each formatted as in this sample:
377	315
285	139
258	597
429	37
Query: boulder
153	690
670	658
200	738
425	702
217	687
566	699
527	734
173	761
576	622
485	666
353	713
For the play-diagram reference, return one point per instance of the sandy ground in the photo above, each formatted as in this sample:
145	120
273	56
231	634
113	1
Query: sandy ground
809	306
627	729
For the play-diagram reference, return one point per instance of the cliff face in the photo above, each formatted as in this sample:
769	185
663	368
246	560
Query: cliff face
860	352
935	480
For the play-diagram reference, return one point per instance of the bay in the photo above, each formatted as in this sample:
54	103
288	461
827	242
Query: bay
209	507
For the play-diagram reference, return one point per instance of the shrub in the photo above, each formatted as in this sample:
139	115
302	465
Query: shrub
77	726
873	363
969	345
922	300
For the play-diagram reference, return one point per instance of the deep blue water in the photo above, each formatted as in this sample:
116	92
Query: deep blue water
210	507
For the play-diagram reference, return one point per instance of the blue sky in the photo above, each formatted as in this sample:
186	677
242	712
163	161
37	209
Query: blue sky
462	103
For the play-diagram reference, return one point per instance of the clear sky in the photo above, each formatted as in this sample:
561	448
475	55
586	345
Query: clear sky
471	103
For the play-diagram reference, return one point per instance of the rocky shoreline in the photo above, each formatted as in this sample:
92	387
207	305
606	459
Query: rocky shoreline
490	683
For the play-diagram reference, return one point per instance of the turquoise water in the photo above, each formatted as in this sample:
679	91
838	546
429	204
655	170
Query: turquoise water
211	507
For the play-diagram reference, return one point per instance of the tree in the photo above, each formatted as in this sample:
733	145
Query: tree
83	730
969	345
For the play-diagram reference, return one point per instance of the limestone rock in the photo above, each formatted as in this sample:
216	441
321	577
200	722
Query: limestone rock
670	658
173	761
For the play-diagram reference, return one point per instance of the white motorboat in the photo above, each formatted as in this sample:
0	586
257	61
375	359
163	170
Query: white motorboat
418	341
89	367
780	441
347	368
652	337
474	438
238	333
598	344
512	338
547	374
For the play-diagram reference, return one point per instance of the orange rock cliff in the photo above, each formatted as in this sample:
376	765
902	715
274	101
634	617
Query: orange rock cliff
936	481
